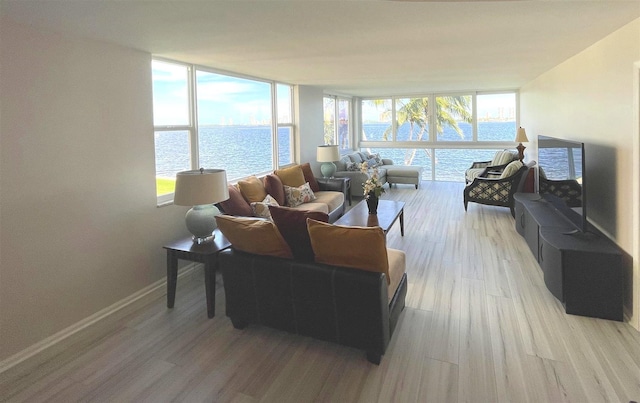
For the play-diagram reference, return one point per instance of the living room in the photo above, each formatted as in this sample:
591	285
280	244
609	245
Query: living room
77	140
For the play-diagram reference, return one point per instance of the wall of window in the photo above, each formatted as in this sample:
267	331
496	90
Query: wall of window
443	133
337	121
204	118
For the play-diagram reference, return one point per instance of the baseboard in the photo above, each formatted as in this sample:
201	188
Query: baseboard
146	294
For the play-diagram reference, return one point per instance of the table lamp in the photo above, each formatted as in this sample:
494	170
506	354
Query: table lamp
521	137
200	189
327	154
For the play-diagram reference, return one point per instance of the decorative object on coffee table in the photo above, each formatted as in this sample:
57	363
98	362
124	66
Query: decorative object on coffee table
328	154
372	202
372	188
521	137
200	189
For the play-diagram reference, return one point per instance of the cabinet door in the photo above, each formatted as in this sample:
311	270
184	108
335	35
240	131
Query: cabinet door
520	213
531	234
551	264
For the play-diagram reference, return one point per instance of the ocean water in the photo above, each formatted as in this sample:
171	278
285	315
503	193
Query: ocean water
244	150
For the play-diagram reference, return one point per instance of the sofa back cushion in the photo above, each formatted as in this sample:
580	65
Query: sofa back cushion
273	185
236	204
511	169
292	176
356	157
342	164
356	247
308	177
254	235
292	224
252	189
503	157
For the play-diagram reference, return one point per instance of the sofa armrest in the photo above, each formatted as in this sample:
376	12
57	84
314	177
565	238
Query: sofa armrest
387	161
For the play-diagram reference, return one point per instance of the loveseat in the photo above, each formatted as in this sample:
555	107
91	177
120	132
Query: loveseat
348	288
286	187
349	167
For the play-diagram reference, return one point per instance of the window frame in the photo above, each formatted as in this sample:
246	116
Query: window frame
336	121
192	126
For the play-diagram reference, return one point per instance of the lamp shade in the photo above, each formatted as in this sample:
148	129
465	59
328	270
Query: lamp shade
203	186
328	153
521	136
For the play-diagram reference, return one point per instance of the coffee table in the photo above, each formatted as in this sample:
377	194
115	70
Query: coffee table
388	213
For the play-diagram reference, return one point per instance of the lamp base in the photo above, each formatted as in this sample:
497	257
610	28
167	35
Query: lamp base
328	169
201	221
520	149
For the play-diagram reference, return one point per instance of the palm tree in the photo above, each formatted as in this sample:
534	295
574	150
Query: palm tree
450	110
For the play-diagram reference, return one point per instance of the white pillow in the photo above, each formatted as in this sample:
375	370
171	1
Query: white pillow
261	209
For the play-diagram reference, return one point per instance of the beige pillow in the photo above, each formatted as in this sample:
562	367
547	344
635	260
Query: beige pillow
253	235
292	176
252	189
356	247
296	196
511	169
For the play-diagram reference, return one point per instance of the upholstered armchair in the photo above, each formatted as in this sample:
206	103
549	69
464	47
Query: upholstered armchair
497	188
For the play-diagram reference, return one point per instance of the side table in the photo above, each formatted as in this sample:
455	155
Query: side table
206	253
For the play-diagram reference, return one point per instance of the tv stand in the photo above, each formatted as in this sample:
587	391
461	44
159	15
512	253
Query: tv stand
582	270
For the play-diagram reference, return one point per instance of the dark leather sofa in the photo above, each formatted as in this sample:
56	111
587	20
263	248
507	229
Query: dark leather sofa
336	304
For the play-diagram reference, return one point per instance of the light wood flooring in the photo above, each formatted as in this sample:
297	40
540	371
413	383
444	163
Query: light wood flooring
479	326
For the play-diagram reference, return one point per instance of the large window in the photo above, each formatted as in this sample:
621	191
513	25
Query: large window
238	124
443	133
337	121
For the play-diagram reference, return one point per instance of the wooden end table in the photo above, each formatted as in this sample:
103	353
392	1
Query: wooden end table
206	253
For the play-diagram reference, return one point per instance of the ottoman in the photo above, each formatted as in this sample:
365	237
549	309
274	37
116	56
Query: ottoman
403	174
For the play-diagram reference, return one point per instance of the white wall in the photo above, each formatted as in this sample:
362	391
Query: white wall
590	98
310	120
79	226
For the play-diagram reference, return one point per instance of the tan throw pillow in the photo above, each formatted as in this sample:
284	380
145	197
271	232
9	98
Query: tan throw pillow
356	247
261	209
252	189
295	196
254	235
511	169
292	176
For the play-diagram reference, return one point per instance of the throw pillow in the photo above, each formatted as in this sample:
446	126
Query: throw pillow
292	224
261	209
236	204
252	189
372	163
356	247
295	196
254	235
354	166
292	176
308	177
511	169
273	186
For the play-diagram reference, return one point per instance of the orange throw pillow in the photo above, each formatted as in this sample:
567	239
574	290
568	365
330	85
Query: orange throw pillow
292	176
253	235
252	189
356	247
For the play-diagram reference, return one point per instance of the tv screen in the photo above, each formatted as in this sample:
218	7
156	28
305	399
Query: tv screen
561	180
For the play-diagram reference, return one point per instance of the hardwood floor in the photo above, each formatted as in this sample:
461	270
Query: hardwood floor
479	326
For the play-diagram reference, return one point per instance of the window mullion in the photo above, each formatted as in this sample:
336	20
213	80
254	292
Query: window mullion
193	116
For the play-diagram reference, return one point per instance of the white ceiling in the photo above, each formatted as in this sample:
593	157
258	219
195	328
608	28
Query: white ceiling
348	47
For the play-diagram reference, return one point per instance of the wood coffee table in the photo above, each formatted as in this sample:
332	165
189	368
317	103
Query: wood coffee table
388	213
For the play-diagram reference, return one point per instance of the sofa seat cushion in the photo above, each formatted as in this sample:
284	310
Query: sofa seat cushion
332	199
312	206
254	235
361	248
397	267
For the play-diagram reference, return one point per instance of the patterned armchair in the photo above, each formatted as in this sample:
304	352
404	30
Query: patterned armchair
497	191
500	161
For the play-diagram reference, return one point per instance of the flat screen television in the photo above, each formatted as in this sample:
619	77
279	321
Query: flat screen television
561	178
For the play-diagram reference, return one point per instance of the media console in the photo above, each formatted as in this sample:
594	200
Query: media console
584	271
